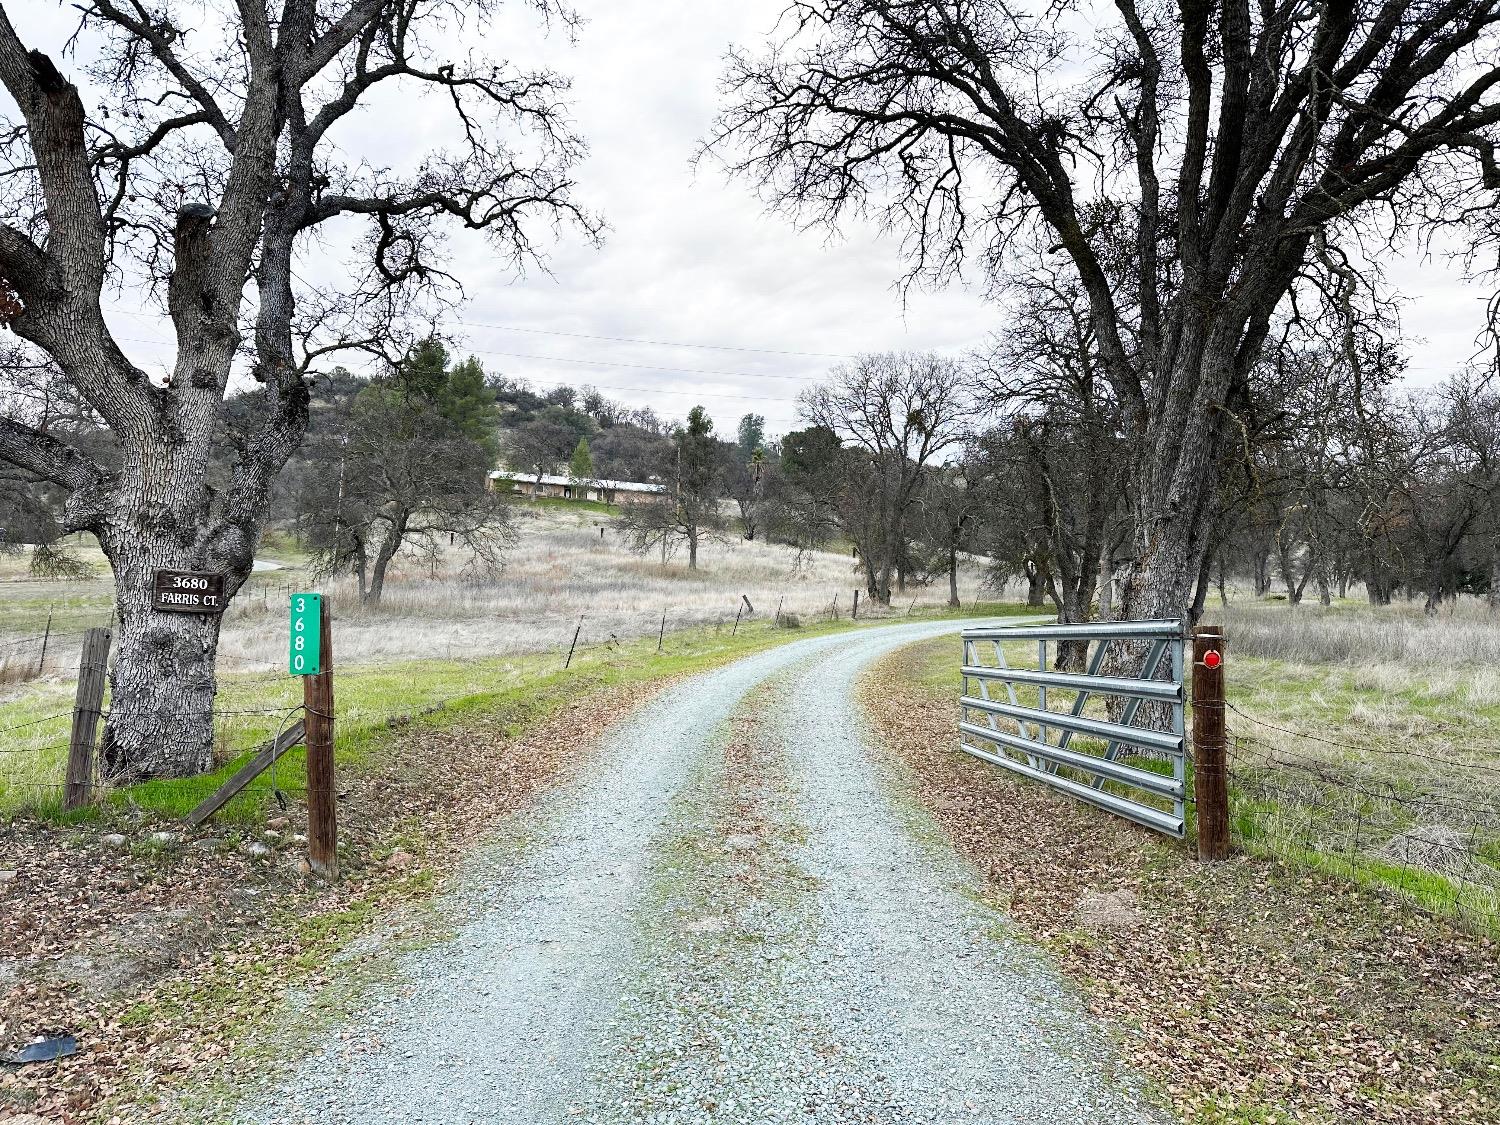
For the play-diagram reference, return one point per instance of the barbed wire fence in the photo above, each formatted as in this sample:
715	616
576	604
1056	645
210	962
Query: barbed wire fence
1391	817
53	651
34	751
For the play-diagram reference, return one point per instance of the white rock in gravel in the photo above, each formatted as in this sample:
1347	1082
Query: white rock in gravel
113	840
255	849
165	839
8	876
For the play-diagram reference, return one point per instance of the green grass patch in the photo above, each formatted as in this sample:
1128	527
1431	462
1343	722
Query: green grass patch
561	503
373	703
1361	724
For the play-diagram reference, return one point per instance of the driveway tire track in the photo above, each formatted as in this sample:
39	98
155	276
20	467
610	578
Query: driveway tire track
895	1002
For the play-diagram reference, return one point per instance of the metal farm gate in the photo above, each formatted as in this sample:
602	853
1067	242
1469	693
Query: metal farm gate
1133	771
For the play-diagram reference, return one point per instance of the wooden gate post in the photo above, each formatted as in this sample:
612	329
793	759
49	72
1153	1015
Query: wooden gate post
322	807
855	615
1210	767
88	703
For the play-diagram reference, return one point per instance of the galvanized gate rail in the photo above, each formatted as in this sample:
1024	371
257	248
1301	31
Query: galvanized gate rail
1040	747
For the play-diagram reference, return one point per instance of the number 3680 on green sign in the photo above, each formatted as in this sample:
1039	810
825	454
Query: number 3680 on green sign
307	634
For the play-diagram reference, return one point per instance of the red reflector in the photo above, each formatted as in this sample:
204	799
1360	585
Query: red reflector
1212	659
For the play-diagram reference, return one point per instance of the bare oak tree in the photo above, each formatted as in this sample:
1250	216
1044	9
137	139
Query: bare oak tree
1215	140
897	412
206	178
1060	430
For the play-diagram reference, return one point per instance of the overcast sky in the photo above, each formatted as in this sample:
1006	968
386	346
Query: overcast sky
689	257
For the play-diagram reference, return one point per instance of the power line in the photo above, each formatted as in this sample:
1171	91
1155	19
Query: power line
600	363
645	366
653	343
614	339
565	359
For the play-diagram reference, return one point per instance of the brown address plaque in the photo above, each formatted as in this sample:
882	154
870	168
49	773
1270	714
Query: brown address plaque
187	591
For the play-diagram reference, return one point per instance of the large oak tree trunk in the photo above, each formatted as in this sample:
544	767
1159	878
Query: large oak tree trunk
162	684
1174	515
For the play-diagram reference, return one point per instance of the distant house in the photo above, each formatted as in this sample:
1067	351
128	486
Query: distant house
606	491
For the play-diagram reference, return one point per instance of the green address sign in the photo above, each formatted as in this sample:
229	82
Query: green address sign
307	634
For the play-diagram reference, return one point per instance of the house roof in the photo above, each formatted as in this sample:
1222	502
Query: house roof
592	482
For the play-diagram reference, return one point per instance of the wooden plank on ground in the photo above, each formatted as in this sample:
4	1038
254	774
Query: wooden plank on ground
247	773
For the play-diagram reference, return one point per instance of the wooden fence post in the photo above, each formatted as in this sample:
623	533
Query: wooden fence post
777	618
662	632
88	702
739	609
322	805
855	615
1210	768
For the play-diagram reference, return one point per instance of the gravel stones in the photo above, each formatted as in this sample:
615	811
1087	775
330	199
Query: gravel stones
723	920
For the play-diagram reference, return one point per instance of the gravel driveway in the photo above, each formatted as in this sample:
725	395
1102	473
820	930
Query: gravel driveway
736	916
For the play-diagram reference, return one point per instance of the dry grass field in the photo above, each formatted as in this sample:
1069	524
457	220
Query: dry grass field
1367	741
1363	739
560	569
437	635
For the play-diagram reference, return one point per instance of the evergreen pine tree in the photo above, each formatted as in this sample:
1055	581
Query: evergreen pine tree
581	467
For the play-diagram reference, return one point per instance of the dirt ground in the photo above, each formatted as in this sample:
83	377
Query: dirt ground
1251	992
162	953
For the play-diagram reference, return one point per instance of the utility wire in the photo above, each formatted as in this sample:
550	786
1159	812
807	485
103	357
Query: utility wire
652	343
597	336
693	394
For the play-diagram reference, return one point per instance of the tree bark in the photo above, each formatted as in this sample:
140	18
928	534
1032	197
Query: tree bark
162	683
953	601
389	547
1200	590
1289	573
1106	582
1262	572
1378	587
1036	585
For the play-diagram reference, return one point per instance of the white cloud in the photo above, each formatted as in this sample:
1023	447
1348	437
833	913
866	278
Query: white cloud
690	255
